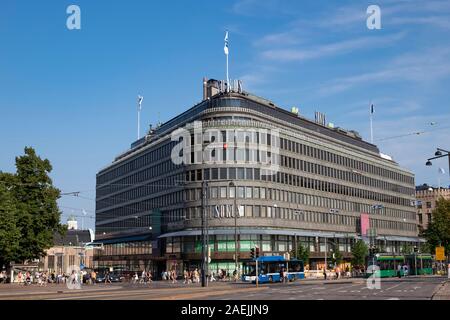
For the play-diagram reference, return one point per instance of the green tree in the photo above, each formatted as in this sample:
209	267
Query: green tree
359	253
9	231
301	254
407	248
438	231
37	213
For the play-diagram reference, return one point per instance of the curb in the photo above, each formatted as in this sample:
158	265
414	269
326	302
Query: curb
440	294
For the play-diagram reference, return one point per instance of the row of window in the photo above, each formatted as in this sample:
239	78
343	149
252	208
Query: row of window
251	174
256	211
270	244
243	192
140	247
353	177
137	163
320	154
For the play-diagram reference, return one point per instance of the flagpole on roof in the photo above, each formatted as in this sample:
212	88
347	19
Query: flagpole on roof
225	49
140	98
371	122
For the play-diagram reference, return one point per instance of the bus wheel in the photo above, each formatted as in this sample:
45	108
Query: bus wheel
270	279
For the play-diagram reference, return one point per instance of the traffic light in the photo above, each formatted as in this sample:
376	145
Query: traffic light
252	253
257	252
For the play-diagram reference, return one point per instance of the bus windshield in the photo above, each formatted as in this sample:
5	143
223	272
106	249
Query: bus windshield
249	268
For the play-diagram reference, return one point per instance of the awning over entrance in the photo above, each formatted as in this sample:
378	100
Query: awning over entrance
125	239
287	232
399	238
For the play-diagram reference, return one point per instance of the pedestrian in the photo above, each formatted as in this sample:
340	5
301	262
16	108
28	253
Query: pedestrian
174	276
338	272
399	271
149	276
107	278
285	276
93	277
186	276
45	278
324	274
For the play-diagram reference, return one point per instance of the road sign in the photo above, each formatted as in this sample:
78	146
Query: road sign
440	253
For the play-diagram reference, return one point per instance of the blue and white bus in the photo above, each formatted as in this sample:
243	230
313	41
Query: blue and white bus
270	268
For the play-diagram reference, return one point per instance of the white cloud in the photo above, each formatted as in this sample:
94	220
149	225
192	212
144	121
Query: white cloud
435	21
425	66
331	49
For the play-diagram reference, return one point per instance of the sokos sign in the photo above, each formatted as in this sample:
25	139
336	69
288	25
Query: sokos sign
226	211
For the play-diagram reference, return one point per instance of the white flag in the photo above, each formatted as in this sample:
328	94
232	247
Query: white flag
140	98
225	48
441	170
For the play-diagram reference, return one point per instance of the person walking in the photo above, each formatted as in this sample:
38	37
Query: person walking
324	274
186	276
174	272
107	278
149	276
93	277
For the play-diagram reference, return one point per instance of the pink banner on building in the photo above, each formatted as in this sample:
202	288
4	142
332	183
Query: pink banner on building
365	223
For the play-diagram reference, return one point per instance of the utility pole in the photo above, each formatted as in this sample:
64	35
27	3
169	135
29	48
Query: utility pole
236	212
204	241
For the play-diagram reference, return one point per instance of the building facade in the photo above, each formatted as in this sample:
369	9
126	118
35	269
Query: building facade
69	252
269	176
426	203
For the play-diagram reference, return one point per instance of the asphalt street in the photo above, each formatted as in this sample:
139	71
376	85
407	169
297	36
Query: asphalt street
420	288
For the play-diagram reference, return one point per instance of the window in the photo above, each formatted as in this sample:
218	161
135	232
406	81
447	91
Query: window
232	173
240	173
263	193
248	192
249	174
223	192
428	205
241	192
256	192
248	211
232	192
215	174
223	173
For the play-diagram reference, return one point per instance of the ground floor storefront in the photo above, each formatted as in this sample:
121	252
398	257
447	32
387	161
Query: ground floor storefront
182	250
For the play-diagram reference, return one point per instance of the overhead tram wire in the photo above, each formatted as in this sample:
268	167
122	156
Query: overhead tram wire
411	134
128	207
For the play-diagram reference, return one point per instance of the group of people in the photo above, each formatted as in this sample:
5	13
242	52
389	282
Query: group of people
337	273
41	278
191	276
146	277
170	275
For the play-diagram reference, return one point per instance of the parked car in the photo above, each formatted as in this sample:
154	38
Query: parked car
114	277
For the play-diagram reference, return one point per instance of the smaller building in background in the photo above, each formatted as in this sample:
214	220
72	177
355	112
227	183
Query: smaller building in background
426	202
70	252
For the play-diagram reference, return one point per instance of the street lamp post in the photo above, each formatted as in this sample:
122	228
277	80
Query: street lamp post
440	153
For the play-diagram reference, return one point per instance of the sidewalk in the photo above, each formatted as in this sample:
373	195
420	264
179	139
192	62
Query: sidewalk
443	293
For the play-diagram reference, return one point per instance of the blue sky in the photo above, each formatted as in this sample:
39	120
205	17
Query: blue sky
71	94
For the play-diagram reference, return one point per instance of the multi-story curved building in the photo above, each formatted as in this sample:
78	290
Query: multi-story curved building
251	169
